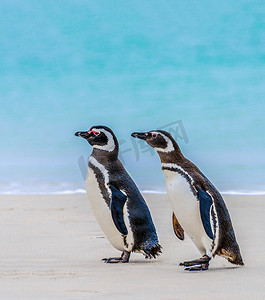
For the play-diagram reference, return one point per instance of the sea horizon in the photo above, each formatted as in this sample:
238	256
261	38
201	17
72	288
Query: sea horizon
197	73
65	188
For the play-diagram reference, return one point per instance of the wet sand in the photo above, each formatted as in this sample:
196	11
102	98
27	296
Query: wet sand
51	248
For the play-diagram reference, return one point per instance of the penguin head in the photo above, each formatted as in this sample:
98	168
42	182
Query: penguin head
160	140
100	137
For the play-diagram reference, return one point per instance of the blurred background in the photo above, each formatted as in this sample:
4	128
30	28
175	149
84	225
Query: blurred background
196	68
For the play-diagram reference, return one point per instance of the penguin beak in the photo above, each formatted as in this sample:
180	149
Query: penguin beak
139	135
83	134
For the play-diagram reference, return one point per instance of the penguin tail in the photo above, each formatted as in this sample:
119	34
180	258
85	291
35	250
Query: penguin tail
236	259
153	252
156	251
233	257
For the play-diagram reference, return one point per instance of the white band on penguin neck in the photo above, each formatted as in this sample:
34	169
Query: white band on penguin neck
169	147
110	146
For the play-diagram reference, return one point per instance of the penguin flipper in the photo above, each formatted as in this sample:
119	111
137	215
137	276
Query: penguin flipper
179	231
117	205
206	203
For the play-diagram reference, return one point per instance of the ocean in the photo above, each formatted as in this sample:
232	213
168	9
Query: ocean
195	68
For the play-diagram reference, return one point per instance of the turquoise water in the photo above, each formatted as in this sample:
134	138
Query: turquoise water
131	65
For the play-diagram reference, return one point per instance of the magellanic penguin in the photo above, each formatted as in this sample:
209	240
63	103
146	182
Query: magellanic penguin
117	203
198	208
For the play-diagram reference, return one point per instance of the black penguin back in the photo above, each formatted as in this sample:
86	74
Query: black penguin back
227	243
142	226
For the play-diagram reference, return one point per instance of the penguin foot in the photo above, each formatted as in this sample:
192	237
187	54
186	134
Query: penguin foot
202	267
111	260
200	264
123	259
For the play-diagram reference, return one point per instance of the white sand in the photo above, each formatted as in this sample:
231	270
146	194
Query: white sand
51	248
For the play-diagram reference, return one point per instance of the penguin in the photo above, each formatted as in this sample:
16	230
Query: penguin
198	208
118	205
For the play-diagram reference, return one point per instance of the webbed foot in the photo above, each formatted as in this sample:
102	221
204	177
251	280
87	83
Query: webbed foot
111	260
123	259
200	264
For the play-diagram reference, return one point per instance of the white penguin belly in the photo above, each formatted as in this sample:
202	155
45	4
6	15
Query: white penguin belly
103	215
187	211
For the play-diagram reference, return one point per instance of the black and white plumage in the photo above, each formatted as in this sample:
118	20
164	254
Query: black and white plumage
198	208
116	201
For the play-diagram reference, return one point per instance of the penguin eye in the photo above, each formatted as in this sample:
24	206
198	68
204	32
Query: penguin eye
154	135
94	132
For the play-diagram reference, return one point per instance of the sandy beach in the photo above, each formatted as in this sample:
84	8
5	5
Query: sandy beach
51	248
